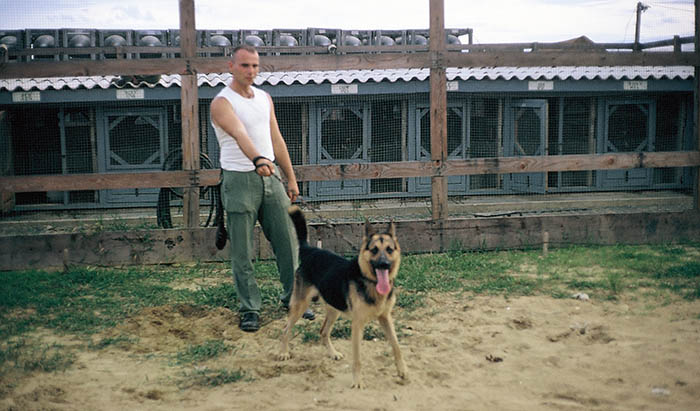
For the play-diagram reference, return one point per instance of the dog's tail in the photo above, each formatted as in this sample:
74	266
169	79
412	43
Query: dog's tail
299	221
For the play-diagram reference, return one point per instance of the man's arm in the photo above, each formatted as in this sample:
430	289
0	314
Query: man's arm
222	115
282	154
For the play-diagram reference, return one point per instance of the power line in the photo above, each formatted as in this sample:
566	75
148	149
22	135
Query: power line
661	5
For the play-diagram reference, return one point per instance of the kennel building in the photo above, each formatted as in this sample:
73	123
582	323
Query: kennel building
120	124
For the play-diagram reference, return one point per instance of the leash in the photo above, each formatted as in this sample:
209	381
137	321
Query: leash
317	213
222	235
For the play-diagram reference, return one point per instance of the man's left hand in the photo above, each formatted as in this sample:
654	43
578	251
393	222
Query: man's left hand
293	192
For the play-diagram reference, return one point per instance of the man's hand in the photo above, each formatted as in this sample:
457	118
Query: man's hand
264	166
293	191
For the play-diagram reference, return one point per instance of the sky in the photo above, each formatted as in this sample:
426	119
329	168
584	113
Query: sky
493	21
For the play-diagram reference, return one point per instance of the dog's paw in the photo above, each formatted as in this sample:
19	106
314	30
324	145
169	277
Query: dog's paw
358	385
284	356
403	378
403	374
336	355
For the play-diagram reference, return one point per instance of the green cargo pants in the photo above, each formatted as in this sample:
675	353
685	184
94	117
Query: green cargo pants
248	198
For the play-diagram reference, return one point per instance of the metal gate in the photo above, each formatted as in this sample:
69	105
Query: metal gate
342	136
628	128
526	135
133	141
457	119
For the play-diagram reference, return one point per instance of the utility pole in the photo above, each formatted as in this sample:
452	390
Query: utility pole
641	8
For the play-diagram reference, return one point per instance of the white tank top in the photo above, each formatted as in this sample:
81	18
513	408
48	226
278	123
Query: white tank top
254	113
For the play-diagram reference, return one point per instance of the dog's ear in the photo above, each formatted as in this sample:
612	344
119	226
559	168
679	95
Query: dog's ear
369	230
392	229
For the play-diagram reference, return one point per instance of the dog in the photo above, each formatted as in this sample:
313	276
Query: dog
361	288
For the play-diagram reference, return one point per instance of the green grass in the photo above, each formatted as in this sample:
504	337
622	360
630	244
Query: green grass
30	355
211	378
199	353
85	301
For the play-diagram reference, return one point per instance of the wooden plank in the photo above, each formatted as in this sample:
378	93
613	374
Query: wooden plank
189	104
102	181
185	245
70	68
183	66
438	107
696	171
556	58
328	172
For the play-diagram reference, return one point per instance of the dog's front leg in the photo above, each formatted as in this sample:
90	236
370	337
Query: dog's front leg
284	348
358	328
388	325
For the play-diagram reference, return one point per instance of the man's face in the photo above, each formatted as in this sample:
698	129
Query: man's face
245	67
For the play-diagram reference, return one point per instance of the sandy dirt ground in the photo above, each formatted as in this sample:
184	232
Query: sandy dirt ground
463	353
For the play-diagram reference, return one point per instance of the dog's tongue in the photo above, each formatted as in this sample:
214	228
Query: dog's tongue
383	286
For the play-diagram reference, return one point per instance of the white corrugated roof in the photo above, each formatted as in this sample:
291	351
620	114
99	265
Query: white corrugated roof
363	76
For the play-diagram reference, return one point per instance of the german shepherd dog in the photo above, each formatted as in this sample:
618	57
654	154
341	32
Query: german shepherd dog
360	288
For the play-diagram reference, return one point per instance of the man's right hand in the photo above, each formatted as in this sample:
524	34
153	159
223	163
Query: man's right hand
264	167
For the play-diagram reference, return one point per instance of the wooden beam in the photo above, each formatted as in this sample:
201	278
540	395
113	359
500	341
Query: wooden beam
71	68
189	104
358	171
103	181
568	58
438	107
26	252
696	106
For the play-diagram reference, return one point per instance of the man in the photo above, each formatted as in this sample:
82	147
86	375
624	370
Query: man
244	120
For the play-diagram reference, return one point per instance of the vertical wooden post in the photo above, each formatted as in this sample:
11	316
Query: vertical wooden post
189	102
438	107
696	105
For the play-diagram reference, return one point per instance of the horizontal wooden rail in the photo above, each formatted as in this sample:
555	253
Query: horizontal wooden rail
356	171
364	61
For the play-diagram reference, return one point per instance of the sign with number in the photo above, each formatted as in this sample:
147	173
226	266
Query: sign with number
26	97
540	85
635	85
137	94
344	89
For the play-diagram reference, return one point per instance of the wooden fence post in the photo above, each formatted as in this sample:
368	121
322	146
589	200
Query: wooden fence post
438	107
190	116
696	108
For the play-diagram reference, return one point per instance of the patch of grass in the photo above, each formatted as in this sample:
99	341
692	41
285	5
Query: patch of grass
222	295
343	330
310	332
118	341
205	377
28	355
82	300
683	279
202	352
615	282
410	301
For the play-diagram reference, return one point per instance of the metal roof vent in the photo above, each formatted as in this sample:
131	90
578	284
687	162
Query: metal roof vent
254	41
288	41
219	41
115	40
45	40
321	40
9	41
149	41
420	40
352	41
79	40
385	41
452	39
